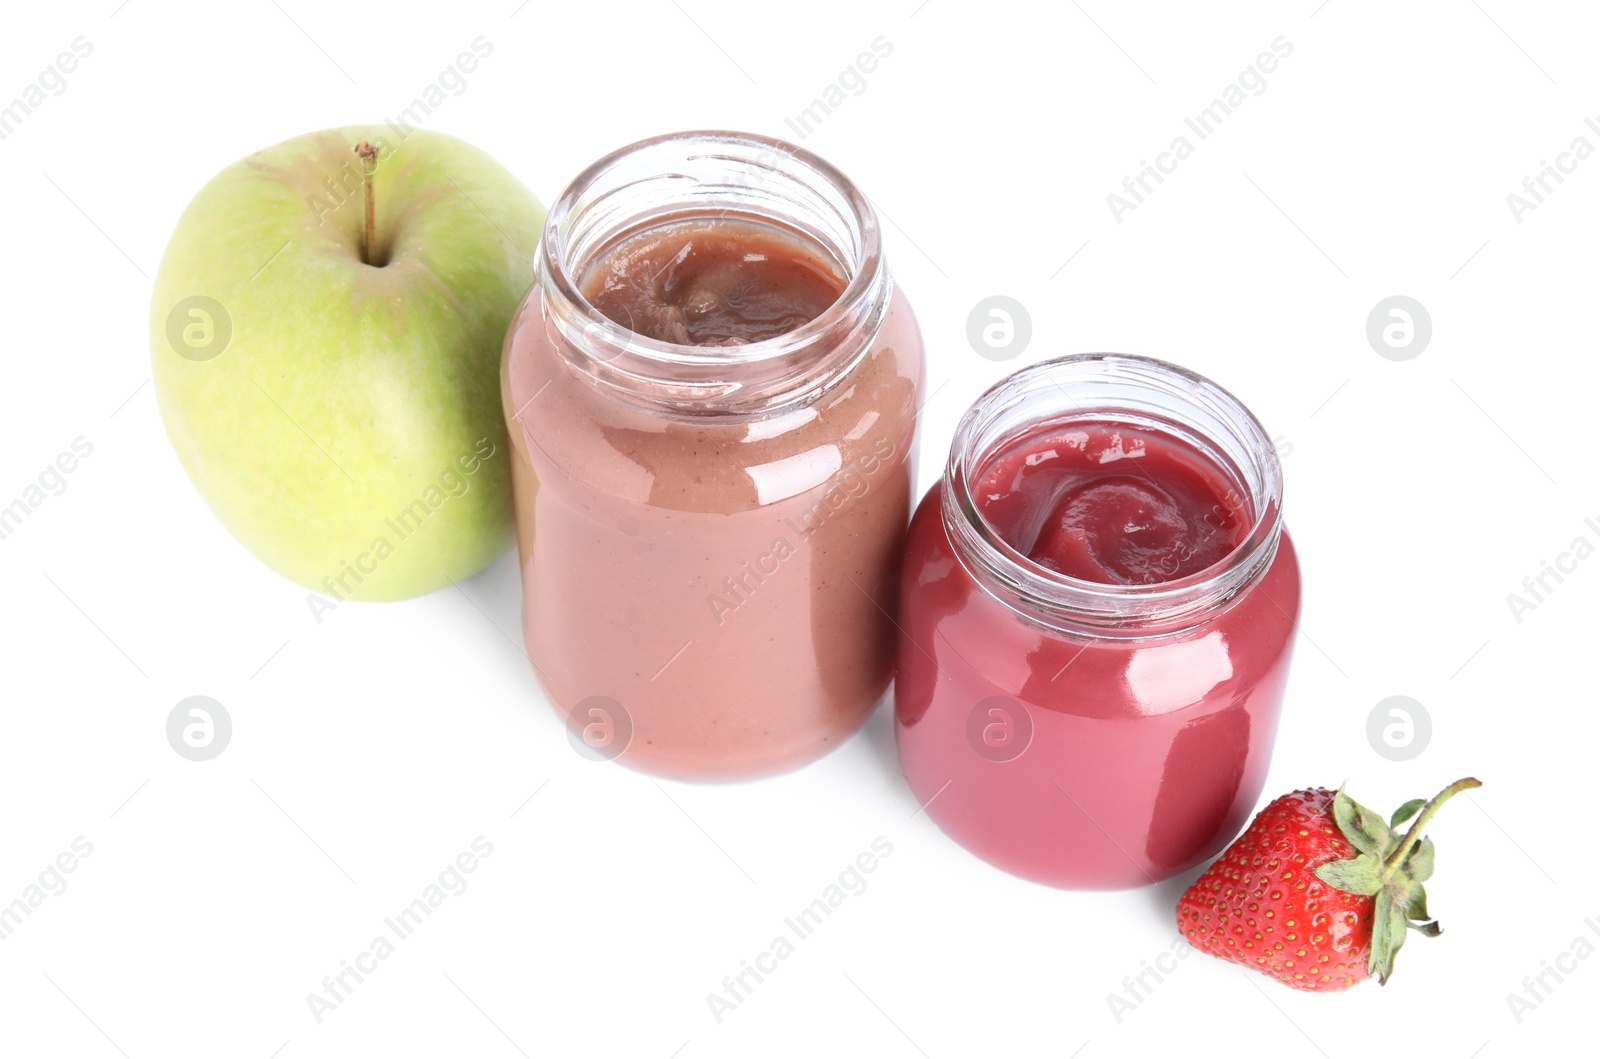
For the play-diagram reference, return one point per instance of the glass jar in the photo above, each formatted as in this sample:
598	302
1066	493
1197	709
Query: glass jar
1080	733
710	535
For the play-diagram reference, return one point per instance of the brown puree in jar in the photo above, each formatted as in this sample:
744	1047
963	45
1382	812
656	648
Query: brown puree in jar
712	283
725	580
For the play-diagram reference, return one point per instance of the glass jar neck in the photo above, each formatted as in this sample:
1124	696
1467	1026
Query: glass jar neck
724	176
1139	392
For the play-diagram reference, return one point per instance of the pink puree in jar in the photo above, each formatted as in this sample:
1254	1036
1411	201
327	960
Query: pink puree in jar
1097	610
712	391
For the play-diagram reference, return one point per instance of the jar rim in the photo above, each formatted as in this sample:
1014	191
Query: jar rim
631	353
1189	400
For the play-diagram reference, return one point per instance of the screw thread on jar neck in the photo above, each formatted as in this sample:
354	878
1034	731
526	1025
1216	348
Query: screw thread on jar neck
695	176
1140	392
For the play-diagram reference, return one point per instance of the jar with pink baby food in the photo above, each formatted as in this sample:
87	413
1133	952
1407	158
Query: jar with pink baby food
712	391
1098	607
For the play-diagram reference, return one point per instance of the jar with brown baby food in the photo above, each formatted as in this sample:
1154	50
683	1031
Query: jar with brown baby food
712	391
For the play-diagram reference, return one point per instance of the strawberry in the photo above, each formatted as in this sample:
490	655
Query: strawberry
1318	892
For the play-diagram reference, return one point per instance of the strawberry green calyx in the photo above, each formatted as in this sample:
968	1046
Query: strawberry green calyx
1390	869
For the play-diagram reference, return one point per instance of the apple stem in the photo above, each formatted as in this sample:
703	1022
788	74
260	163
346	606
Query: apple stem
369	164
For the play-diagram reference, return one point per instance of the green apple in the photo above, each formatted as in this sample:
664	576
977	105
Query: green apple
326	331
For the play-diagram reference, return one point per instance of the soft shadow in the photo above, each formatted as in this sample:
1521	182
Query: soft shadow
496	590
1164	895
878	736
878	733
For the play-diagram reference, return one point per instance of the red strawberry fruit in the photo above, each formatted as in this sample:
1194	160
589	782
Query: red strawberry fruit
1318	892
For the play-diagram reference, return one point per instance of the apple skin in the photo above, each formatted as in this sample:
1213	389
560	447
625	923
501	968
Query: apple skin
314	399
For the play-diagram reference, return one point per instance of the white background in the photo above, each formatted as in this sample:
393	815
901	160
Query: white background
369	750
